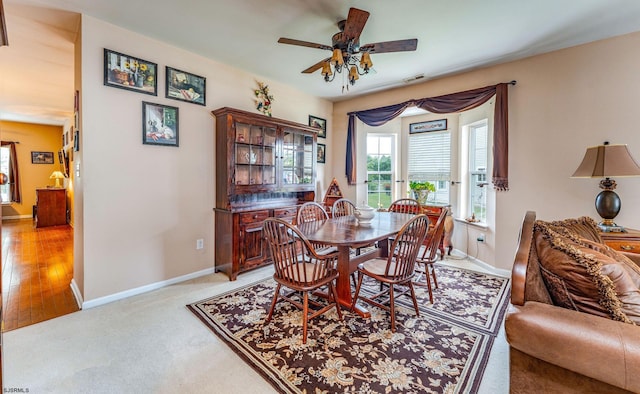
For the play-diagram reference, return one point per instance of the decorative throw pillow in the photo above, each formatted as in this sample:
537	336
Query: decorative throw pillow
584	279
584	227
632	268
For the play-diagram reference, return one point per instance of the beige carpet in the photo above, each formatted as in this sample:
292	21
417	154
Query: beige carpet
151	343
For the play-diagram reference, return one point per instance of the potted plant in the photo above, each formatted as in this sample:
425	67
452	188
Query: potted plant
421	190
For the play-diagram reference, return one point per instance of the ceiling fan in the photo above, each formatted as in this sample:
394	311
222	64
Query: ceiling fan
348	54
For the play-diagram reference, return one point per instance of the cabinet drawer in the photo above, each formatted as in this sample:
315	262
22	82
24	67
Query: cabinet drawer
624	246
255	216
430	210
285	212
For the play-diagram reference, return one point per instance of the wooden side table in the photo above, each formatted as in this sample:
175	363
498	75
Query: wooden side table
433	212
623	242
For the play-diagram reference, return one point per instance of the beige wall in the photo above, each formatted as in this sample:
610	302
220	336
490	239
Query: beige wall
144	206
563	102
32	137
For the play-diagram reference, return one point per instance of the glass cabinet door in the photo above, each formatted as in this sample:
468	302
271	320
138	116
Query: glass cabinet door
297	158
255	155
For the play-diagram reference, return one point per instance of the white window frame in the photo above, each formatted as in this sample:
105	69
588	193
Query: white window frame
5	190
471	184
391	172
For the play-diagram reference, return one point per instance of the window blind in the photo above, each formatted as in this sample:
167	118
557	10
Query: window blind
429	156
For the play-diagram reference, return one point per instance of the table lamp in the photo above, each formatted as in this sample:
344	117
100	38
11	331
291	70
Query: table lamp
57	175
605	161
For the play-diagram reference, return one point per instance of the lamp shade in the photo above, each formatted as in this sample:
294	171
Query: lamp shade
336	58
607	161
326	69
57	175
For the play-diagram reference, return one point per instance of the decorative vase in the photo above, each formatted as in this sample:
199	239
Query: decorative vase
421	196
139	79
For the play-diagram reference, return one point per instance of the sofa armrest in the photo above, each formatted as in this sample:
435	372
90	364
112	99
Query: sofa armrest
593	346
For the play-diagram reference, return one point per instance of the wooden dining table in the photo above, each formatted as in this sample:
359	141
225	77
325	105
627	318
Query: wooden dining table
346	233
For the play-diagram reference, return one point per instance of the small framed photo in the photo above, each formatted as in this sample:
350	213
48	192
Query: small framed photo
425	127
131	73
76	140
185	86
322	152
159	124
319	123
42	157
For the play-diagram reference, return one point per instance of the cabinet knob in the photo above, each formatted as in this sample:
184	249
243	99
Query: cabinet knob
626	247
255	216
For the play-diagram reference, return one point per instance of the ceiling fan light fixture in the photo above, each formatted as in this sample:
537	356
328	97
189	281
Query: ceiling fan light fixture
365	62
336	59
326	71
346	52
353	75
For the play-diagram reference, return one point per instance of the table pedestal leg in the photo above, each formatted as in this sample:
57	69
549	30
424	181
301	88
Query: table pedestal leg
343	285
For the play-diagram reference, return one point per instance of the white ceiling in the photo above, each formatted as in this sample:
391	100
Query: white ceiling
453	36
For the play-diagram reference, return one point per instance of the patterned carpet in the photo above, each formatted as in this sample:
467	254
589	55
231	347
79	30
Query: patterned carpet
445	350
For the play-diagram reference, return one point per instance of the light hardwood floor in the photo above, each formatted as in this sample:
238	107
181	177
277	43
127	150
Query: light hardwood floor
37	268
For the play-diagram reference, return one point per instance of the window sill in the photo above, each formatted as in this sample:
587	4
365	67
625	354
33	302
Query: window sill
474	224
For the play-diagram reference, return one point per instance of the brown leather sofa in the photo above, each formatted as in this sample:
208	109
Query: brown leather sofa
559	350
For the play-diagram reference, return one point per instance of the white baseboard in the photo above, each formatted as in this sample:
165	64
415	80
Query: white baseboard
76	293
17	217
488	267
144	289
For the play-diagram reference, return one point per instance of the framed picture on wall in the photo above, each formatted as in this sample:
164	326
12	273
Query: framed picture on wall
431	125
41	157
131	73
322	152
319	123
76	140
185	86
159	124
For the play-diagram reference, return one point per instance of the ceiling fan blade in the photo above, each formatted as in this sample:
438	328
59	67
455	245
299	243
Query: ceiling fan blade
291	41
316	66
354	25
391	46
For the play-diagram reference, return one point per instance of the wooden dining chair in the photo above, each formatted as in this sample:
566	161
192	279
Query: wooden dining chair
313	212
299	268
397	269
429	254
343	207
406	205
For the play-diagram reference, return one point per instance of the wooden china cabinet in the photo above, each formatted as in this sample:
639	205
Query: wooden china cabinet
265	167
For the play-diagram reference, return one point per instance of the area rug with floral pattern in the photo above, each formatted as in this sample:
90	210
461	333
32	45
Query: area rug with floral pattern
444	350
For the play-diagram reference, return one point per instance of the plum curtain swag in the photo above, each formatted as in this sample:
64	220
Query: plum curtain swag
449	103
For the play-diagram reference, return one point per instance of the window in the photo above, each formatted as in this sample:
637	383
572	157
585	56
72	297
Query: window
478	184
5	190
430	160
380	162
